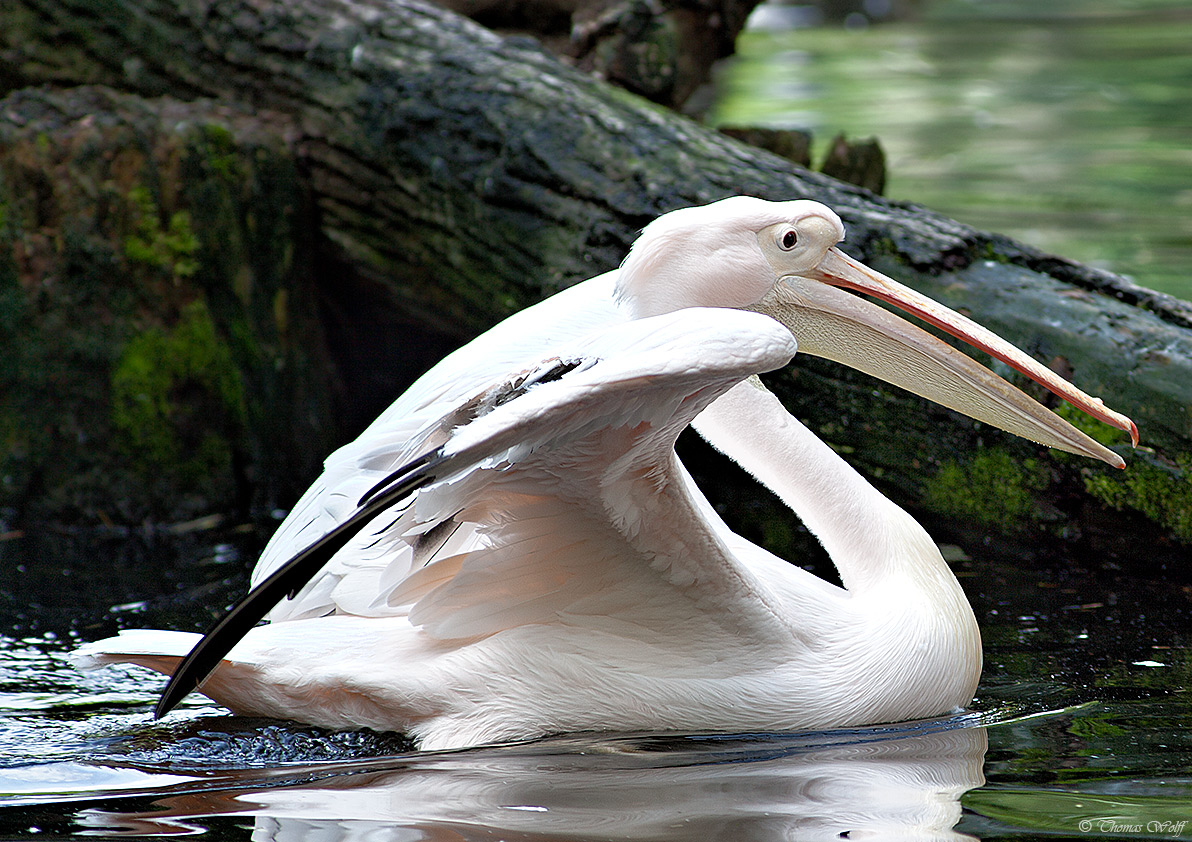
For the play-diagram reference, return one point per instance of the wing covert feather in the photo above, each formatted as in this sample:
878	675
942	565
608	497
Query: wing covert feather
590	433
657	372
392	439
575	497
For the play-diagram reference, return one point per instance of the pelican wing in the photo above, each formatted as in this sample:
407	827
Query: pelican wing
410	425
564	480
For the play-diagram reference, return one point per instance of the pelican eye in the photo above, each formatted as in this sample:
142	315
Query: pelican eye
789	240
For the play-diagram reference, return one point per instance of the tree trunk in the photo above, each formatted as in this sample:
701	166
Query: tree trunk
162	354
458	176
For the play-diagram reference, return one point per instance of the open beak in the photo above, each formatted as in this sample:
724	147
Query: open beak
831	323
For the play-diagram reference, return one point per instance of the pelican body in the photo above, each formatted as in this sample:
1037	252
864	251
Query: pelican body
513	549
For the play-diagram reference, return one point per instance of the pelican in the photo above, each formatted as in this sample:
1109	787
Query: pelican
513	549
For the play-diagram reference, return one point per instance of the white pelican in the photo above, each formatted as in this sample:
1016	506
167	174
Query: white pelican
512	549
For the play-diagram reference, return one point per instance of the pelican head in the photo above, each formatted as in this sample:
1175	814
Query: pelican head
782	259
730	253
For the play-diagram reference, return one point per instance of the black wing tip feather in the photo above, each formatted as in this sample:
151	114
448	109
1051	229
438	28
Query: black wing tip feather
289	578
548	371
411	471
295	573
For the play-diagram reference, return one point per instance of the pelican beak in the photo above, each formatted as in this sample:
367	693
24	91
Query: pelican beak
829	322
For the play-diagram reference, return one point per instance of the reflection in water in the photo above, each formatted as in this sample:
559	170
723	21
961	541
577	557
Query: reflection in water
902	782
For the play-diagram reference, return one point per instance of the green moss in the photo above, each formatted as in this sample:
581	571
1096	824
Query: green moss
1090	426
171	246
1164	495
141	404
218	146
1095	727
962	489
177	400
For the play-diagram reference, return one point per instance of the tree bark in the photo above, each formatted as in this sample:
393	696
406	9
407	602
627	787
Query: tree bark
162	352
458	176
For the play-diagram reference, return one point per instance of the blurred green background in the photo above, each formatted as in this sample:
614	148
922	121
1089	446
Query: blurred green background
1066	124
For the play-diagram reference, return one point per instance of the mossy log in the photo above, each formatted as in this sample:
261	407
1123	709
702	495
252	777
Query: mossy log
457	176
162	348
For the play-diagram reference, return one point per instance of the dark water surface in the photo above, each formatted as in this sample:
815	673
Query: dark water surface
1080	729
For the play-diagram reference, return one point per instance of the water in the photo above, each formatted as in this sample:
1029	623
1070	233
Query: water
1066	124
1079	729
